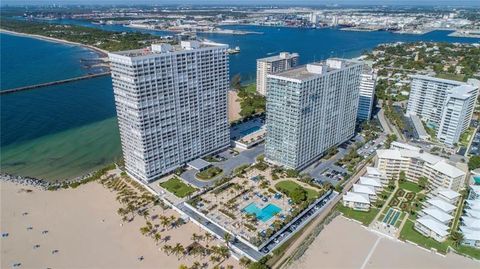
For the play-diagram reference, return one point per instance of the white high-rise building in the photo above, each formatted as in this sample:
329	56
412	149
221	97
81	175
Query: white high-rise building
457	113
367	94
272	65
445	105
171	104
310	109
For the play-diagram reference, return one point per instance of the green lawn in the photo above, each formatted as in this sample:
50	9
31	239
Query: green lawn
469	251
410	186
364	217
466	136
410	234
457	77
288	186
209	173
177	187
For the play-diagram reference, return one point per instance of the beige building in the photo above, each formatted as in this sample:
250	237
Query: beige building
273	65
417	164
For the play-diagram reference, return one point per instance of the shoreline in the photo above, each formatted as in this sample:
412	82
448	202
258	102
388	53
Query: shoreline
101	53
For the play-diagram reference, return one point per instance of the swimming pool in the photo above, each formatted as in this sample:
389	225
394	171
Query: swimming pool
263	214
250	130
476	180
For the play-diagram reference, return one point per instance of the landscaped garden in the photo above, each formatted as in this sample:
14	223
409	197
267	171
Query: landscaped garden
297	193
365	217
410	234
178	187
209	173
410	186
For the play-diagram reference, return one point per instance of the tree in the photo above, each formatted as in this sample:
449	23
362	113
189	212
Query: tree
244	262
457	238
298	195
167	249
423	182
157	237
145	230
236	81
402	177
208	237
183	266
178	250
474	162
227	237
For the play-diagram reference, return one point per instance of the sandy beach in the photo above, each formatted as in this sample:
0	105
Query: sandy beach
84	227
101	52
233	106
346	244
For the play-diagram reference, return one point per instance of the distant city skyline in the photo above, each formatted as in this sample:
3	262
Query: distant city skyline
472	3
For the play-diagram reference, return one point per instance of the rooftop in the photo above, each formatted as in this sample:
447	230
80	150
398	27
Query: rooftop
434	225
471	223
316	69
359	188
438	214
449	194
370	181
441	204
199	164
462	92
163	48
470	234
373	171
436	162
356	197
281	56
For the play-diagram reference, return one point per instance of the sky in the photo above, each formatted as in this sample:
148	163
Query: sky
475	3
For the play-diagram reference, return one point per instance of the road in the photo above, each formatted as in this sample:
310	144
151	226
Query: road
387	127
244	157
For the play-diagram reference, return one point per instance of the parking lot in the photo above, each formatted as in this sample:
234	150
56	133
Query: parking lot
475	147
230	161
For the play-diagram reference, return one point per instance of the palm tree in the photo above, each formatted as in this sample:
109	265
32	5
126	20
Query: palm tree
157	237
244	262
457	238
164	221
183	266
167	249
178	249
223	252
194	237
196	265
227	237
208	237
145	230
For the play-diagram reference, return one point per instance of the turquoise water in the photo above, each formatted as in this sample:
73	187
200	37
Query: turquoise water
263	214
250	130
67	130
477	180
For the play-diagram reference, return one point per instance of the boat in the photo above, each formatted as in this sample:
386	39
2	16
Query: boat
234	51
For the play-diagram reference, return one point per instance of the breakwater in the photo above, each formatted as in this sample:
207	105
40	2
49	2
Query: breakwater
41	85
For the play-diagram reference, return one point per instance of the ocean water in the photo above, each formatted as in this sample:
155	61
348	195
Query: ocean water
67	130
26	61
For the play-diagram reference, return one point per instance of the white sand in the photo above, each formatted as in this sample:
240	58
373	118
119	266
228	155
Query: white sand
233	106
84	226
346	244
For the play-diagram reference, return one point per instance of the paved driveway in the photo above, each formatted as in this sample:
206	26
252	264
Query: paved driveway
245	157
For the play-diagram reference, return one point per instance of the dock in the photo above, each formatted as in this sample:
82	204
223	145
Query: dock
46	84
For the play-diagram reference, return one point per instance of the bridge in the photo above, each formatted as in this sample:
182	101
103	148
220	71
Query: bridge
63	81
